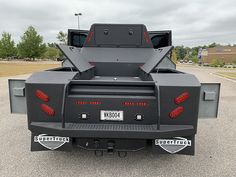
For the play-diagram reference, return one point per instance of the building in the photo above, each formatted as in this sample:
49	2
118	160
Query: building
226	54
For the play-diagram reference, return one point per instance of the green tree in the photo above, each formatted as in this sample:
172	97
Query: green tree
51	53
62	37
7	46
174	56
212	45
180	52
31	45
52	45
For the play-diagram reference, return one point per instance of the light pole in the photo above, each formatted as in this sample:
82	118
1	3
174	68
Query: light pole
78	14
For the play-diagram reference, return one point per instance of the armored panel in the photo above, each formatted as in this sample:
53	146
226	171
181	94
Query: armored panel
17	96
175	79
73	54
118	35
209	100
166	63
158	56
51	77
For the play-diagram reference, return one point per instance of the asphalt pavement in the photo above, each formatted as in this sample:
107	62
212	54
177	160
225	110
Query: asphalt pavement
215	146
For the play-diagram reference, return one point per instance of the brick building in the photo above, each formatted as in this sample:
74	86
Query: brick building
227	54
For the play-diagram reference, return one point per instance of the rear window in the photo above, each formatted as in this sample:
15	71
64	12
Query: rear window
161	40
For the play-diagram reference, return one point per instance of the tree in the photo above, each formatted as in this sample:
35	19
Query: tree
62	37
7	46
174	56
51	53
31	45
180	52
52	45
212	45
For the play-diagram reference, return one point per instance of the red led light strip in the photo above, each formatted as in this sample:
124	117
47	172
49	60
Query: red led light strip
88	102
141	104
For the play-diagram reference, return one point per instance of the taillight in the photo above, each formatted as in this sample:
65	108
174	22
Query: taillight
41	95
138	104
181	98
146	37
47	109
176	112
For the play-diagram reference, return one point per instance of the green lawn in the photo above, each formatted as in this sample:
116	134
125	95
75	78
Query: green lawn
231	75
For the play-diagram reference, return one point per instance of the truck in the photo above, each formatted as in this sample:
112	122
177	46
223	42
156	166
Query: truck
117	91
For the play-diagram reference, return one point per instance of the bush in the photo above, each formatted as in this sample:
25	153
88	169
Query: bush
217	63
194	59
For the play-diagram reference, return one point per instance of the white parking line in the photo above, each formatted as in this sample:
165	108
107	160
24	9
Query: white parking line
223	77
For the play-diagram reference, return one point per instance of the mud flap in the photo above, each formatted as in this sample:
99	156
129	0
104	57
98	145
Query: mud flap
43	142
209	100
174	145
17	96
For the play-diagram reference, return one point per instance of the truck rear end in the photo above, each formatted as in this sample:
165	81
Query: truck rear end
116	93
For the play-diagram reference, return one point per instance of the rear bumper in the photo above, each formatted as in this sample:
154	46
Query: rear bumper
123	131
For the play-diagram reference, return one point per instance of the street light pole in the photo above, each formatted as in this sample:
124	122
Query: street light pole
78	14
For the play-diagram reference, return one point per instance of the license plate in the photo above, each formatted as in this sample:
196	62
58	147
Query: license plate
112	115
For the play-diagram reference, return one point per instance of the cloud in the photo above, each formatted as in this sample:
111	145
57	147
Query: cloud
193	22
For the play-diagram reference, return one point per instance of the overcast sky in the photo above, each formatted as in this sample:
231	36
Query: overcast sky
193	22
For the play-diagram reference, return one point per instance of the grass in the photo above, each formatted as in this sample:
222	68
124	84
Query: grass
11	69
230	75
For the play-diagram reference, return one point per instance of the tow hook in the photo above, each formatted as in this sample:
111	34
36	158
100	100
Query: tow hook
110	147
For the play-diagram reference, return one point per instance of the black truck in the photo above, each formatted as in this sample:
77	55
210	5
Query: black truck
117	91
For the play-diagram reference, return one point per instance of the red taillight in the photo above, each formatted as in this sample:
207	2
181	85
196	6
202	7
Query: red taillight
146	37
41	95
90	36
130	103
181	98
176	112
47	109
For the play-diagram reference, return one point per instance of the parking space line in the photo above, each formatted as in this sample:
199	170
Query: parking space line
223	77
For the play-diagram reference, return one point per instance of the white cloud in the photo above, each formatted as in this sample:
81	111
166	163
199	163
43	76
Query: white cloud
193	22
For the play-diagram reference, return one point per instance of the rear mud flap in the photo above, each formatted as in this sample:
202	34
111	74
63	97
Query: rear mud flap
43	142
175	145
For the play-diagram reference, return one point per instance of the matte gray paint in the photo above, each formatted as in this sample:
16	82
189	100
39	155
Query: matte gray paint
17	96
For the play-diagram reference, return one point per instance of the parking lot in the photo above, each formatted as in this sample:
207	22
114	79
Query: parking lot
215	146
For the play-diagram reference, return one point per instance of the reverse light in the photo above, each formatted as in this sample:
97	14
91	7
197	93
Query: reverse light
47	109
41	95
139	117
181	98
176	112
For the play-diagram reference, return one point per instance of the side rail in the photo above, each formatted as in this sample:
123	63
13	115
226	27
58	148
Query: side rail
17	96
209	100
